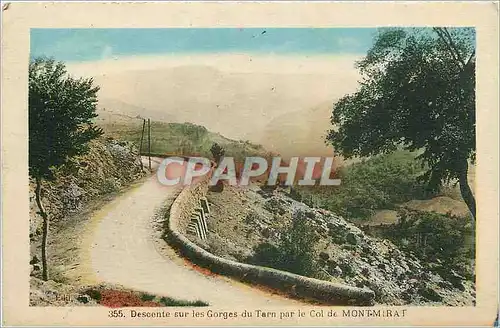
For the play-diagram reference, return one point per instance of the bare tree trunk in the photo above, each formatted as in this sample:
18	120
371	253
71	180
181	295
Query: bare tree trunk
45	232
466	192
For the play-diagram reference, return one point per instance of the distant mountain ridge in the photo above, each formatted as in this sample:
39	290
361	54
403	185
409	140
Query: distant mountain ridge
253	106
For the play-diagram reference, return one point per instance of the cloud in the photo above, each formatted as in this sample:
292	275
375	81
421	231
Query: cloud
227	62
236	95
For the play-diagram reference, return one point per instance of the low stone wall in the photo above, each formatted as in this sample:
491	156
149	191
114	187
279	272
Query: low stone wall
292	284
184	205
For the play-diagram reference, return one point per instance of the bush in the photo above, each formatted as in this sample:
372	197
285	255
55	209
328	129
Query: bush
295	251
147	297
123	298
376	183
252	217
435	238
217	152
167	301
275	206
94	294
266	254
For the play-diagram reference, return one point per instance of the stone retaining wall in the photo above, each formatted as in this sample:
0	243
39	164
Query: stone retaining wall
185	204
292	284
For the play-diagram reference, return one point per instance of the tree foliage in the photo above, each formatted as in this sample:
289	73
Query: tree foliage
61	109
217	152
376	183
417	93
435	237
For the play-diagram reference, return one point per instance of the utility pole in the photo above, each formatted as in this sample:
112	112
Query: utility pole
149	142
142	137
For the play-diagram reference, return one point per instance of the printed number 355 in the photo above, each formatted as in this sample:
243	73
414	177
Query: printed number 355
116	314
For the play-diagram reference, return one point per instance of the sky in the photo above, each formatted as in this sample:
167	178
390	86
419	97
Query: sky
91	44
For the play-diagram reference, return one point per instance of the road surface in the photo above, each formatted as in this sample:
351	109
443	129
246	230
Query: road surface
123	250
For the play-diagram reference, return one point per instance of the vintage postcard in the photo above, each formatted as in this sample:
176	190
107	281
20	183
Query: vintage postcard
244	163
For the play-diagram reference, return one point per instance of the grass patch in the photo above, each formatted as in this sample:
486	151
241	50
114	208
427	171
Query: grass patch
182	139
168	301
125	298
147	297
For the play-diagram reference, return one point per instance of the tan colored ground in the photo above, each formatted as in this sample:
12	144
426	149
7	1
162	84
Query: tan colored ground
442	205
121	247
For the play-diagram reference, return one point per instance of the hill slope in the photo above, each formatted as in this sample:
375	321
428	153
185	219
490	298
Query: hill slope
237	95
300	133
176	138
246	222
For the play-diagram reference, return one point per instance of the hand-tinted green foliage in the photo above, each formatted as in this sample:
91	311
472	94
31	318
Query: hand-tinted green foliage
417	92
376	183
168	301
295	251
95	294
435	237
217	152
61	109
147	297
183	139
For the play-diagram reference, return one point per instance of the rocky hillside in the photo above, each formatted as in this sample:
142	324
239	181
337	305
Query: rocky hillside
243	218
176	138
108	166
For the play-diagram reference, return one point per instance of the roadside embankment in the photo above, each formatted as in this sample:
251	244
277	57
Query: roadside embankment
107	168
292	284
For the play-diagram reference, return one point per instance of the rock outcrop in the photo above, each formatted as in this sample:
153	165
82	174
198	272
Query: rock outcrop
244	218
108	166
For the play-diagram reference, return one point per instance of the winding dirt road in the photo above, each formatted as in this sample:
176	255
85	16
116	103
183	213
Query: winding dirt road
123	250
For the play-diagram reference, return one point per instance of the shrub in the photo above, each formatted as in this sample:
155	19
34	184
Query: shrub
275	206
167	301
217	152
123	298
252	217
266	254
434	238
94	294
295	251
109	185
376	183
147	297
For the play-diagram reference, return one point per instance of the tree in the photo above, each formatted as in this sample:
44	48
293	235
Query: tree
61	109
217	152
417	93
